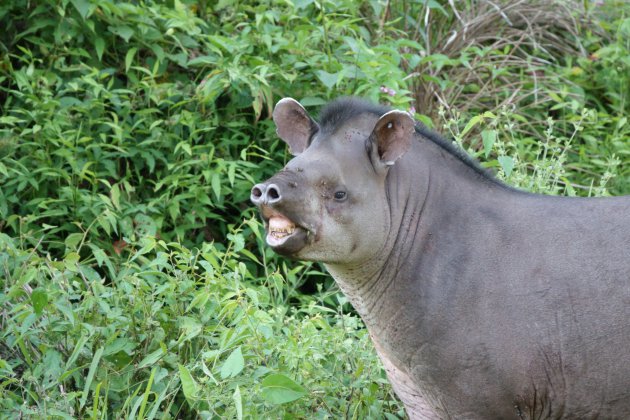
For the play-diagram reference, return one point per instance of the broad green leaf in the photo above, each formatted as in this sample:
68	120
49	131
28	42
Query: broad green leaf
328	79
39	299
488	137
73	240
123	31
71	260
84	7
189	386
279	389
238	241
507	163
151	358
233	365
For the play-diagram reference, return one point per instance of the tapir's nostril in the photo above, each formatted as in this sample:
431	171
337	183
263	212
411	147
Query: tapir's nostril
273	193
256	192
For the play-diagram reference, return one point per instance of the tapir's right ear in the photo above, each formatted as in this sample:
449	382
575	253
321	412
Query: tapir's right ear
390	139
294	125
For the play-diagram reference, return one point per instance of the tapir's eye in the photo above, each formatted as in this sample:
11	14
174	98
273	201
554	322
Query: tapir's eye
340	195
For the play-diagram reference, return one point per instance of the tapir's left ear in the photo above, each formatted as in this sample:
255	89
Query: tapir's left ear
294	125
391	138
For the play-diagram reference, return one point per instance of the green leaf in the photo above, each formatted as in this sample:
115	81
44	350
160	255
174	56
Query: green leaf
83	7
39	299
233	365
189	386
312	101
151	358
278	389
99	46
216	185
90	377
129	58
71	261
237	240
238	402
123	31
476	120
73	240
328	79
115	196
507	163
489	137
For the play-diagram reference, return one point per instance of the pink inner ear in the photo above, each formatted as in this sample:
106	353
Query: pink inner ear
293	124
393	133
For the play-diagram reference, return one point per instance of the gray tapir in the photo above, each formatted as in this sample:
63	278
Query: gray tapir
483	302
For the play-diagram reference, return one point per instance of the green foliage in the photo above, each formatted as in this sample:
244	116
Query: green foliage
178	333
134	279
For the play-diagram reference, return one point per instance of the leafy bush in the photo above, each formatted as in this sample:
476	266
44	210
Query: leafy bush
176	333
134	278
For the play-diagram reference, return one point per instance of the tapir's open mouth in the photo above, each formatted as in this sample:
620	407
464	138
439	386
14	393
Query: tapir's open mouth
280	228
283	235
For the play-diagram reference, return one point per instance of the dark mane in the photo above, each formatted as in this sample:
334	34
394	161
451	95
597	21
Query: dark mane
341	110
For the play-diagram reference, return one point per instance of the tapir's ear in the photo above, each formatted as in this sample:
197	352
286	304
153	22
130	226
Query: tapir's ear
391	138
294	125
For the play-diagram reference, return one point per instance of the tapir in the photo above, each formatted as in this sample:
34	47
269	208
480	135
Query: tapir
482	301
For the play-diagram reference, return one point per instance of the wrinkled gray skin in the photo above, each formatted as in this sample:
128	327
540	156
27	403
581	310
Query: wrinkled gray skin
483	302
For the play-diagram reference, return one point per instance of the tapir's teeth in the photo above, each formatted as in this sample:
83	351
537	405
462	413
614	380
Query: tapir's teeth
280	227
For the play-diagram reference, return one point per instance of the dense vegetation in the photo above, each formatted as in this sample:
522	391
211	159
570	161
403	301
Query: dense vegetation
134	280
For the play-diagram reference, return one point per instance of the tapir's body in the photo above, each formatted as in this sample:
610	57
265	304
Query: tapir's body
482	301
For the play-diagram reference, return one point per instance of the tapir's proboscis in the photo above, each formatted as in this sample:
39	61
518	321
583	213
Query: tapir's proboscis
483	301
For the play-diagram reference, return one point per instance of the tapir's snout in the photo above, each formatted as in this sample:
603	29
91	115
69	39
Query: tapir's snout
286	231
265	194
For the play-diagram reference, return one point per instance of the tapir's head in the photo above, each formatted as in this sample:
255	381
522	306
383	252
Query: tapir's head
329	203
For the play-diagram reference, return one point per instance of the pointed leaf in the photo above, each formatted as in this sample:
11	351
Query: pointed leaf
233	365
189	386
489	137
129	58
278	389
39	298
507	163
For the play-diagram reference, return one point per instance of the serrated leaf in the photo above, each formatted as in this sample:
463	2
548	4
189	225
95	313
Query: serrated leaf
233	365
279	389
39	299
238	241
